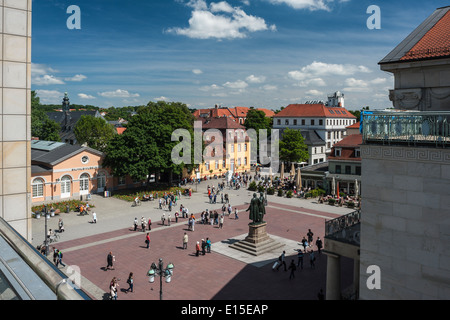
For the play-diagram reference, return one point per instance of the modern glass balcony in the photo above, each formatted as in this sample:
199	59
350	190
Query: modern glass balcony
414	128
345	228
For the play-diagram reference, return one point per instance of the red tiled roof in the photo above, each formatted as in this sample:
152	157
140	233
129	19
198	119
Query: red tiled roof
354	126
434	44
352	140
313	110
236	112
348	146
120	130
221	123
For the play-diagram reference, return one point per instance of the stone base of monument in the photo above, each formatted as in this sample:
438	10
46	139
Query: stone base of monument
257	241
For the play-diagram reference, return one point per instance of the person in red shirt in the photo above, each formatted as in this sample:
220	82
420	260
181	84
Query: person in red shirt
147	240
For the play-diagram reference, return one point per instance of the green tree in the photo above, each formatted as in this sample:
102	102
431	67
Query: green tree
292	146
257	120
146	146
95	132
41	126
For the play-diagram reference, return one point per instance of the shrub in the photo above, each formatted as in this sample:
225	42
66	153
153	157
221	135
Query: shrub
350	204
61	206
261	188
129	195
289	194
331	201
271	191
252	186
280	192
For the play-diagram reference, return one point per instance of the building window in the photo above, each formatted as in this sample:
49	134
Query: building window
329	135
286	122
320	122
239	147
337	152
38	188
84	159
358	153
121	181
278	121
84	183
65	186
295	122
338	168
312	122
348	170
245	161
358	170
245	147
217	164
303	122
101	181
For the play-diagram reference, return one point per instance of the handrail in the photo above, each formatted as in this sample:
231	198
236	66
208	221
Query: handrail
43	268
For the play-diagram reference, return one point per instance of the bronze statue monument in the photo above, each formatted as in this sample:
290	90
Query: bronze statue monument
257	209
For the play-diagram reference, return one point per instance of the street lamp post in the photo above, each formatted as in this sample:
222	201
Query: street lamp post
46	217
158	270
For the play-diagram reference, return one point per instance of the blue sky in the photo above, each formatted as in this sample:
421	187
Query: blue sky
261	53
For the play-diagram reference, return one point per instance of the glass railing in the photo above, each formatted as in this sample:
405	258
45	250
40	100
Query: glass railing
406	127
345	228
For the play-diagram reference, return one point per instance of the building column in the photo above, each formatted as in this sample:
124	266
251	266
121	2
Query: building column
333	291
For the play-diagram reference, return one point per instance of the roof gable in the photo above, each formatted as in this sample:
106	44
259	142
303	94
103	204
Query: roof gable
313	110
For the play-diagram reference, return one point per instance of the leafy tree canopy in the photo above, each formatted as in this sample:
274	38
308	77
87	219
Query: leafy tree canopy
95	132
293	147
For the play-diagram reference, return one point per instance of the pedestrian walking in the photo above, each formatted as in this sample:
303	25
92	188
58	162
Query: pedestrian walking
203	247
292	268
300	258
176	216
168	219
208	245
185	240
94	217
310	235
147	240
60	256
221	222
113	285
135	224
61	225
130	282
149	224
55	256
236	214
319	245
110	259
304	244
142	224
312	259
163	218
197	249
281	261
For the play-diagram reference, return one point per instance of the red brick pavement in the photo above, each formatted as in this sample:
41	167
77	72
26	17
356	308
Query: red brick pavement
213	276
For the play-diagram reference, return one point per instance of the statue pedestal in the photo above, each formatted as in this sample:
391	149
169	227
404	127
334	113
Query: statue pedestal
257	241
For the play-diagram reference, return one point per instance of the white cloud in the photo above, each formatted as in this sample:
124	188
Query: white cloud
316	69
197	71
119	93
211	87
314	93
162	98
254	79
239	84
220	21
50	96
85	96
76	78
46	80
269	87
304	4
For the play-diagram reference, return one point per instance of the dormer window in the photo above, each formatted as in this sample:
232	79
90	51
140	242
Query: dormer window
337	152
358	153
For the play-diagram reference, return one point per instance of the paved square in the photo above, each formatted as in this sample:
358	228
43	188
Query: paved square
225	273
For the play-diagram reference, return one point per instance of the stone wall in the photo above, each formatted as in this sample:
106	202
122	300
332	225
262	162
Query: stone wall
405	228
15	112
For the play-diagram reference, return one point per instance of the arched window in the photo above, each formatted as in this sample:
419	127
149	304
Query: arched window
65	186
38	188
101	182
84	184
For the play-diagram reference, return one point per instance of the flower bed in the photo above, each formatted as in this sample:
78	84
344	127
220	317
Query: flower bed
61	206
129	195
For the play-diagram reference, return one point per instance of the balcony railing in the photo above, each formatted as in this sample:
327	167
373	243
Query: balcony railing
345	228
407	127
